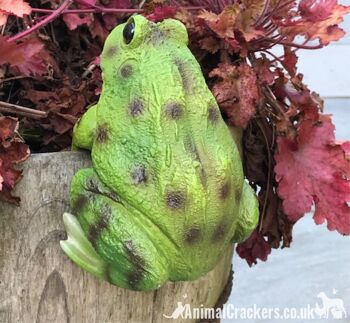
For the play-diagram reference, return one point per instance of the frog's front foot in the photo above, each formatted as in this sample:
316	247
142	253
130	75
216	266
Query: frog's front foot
248	214
106	240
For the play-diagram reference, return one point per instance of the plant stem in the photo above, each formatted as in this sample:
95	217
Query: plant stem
92	10
269	171
17	109
301	46
262	15
53	14
18	77
275	57
101	10
49	18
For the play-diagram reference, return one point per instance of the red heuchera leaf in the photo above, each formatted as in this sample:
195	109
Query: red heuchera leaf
26	56
314	169
231	93
255	247
222	24
315	10
235	24
162	12
318	19
12	152
33	50
213	5
9	53
264	71
290	60
15	7
73	20
346	147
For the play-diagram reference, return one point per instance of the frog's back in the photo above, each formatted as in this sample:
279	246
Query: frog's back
169	153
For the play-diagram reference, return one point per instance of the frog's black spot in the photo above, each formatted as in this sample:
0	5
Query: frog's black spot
79	204
193	235
136	107
126	70
102	133
100	224
238	195
133	255
191	148
225	190
174	110
175	200
139	175
185	75
213	114
219	232
136	275
112	51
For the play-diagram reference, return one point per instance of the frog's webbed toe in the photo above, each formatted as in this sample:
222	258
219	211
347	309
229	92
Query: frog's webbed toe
79	249
248	214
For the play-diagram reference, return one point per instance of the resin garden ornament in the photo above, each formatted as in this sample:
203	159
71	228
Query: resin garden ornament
166	193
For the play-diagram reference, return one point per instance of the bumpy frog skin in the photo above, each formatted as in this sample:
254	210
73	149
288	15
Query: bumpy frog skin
166	194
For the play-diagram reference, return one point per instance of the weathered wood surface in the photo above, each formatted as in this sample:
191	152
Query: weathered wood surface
38	283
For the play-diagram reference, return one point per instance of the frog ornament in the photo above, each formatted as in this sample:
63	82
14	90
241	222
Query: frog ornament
166	193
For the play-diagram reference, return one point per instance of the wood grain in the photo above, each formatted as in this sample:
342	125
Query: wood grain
38	283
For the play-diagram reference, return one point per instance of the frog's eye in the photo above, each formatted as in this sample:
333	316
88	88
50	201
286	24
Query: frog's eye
129	31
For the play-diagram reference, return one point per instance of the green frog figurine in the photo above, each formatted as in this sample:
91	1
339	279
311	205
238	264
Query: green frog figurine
166	193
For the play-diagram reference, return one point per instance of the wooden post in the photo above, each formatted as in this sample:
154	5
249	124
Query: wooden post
38	283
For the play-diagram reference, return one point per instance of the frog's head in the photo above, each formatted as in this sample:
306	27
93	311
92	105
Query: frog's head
131	40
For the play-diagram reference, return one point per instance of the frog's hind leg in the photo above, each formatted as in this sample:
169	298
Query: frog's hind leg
110	239
249	214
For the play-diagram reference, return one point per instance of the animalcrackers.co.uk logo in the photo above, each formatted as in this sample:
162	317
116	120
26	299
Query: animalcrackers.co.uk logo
324	308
